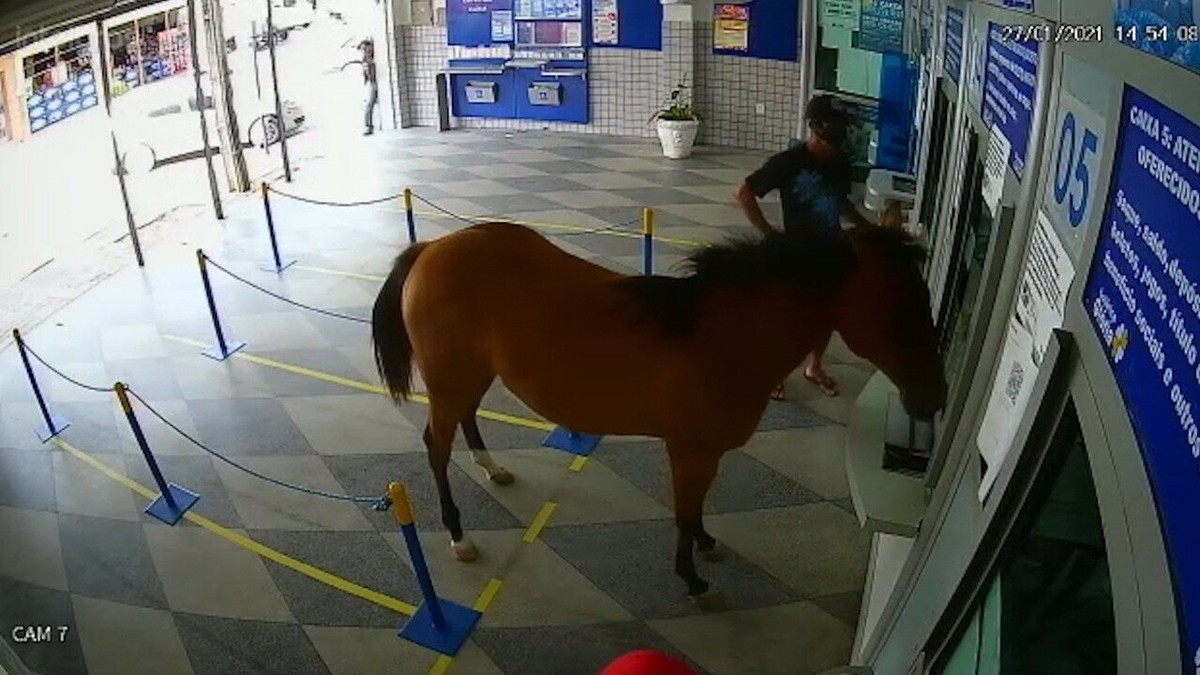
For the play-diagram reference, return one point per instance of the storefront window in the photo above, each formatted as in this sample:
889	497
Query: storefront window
1049	611
5	126
59	83
147	50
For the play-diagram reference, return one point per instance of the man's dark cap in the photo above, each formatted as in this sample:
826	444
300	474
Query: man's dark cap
826	108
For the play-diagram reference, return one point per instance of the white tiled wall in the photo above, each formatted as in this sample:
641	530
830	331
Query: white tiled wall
730	87
629	85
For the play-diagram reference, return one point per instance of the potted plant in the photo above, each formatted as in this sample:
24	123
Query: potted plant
678	123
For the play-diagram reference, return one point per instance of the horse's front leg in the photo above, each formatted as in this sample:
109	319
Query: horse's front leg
692	472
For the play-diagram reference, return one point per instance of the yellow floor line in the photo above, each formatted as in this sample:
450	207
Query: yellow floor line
535	528
340	273
577	465
247	543
514	420
481	604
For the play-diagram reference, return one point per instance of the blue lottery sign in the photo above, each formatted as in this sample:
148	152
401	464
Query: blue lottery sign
1009	87
954	43
1143	297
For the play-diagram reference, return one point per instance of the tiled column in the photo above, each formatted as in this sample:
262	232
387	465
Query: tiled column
678	64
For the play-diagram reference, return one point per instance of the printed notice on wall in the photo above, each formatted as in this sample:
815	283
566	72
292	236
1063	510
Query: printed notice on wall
1041	303
1143	299
995	170
1006	405
731	27
1042	293
502	26
604	22
843	14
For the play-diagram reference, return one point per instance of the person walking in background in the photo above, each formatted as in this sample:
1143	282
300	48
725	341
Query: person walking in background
813	181
367	50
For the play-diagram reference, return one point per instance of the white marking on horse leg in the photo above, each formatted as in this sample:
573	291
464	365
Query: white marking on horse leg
464	549
494	472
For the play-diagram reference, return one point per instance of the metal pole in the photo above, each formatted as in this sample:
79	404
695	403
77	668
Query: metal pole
287	167
144	446
117	160
50	431
410	216
223	350
254	51
194	43
403	511
647	241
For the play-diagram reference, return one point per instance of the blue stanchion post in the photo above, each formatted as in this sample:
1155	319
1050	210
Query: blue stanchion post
277	265
173	501
647	241
573	442
224	349
55	424
410	216
440	625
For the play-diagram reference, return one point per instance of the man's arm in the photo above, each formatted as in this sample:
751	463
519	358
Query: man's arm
770	176
749	203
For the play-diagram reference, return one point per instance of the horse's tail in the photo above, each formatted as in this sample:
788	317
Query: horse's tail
393	347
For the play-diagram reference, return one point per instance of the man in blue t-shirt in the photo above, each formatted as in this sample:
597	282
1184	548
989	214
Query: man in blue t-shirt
813	180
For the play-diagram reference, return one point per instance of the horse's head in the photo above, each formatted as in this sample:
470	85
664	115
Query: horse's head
883	314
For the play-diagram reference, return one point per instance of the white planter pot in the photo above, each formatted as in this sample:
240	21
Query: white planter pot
677	137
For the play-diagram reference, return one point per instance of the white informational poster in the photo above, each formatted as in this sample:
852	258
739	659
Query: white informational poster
604	22
995	169
1045	280
1015	376
1041	301
573	34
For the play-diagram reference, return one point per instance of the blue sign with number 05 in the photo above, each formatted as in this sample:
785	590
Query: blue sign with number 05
1076	161
1143	298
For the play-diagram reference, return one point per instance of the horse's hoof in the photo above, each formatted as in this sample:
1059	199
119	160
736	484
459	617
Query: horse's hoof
464	551
500	476
709	601
714	554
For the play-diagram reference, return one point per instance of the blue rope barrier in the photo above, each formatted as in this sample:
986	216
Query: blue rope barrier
289	301
379	503
68	378
480	220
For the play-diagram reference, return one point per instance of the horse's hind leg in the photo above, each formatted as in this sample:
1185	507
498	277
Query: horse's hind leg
439	441
480	455
692	472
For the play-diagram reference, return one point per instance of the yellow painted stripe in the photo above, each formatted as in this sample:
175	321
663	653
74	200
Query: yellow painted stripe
248	543
539	522
441	665
493	415
487	595
485	598
339	273
577	465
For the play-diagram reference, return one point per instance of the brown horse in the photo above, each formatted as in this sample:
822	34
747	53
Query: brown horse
691	360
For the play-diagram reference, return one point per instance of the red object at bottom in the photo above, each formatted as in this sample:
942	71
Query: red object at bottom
647	662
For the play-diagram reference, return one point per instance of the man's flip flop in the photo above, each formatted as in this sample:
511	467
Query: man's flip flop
827	385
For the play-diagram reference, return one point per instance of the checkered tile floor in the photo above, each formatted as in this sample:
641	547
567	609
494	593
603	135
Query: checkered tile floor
297	404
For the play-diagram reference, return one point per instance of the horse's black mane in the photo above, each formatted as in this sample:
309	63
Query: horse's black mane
814	261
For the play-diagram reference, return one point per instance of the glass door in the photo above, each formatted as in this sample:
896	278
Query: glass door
1048	609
